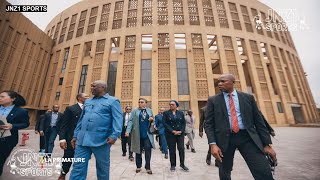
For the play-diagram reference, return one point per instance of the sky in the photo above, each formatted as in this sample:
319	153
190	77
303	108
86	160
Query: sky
305	39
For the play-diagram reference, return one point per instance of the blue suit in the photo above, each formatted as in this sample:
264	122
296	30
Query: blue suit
162	134
101	119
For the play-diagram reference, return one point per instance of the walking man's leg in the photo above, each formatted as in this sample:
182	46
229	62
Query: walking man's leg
102	155
80	169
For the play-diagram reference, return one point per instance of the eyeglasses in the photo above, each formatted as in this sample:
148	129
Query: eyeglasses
128	109
140	101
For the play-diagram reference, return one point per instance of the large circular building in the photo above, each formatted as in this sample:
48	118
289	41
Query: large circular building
177	49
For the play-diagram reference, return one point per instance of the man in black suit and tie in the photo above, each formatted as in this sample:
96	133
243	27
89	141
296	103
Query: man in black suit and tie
49	127
233	122
37	130
68	123
126	140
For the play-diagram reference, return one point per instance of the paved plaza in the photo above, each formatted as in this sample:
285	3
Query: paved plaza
297	150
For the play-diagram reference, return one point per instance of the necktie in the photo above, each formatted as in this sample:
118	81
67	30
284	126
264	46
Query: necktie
82	106
234	118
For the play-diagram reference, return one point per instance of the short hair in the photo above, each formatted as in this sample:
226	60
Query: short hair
127	107
143	100
229	76
80	95
102	84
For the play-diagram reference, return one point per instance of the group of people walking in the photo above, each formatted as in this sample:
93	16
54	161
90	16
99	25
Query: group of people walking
231	121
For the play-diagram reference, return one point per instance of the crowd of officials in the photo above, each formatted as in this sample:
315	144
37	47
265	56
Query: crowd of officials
231	121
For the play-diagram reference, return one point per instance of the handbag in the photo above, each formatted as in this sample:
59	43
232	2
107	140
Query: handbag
153	128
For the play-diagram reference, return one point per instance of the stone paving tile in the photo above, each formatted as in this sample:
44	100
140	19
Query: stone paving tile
297	150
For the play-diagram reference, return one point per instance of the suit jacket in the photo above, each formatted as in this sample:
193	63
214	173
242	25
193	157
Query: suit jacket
203	111
69	122
45	122
171	123
37	126
160	123
218	127
134	129
189	123
123	127
19	118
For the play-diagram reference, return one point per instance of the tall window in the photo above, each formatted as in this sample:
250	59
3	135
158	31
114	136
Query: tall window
112	76
184	106
182	75
145	80
87	49
146	42
83	78
65	59
57	95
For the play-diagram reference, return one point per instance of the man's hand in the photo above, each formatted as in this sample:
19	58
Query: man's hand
268	150
73	142
41	133
201	134
216	152
126	134
111	141
7	126
63	145
150	119
36	132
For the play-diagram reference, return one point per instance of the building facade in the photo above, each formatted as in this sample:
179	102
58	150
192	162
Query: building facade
176	49
24	57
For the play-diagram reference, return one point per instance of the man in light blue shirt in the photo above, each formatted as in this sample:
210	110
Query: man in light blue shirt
98	128
237	106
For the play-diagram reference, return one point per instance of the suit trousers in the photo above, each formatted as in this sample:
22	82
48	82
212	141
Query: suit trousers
146	145
172	141
164	145
68	153
190	139
5	150
124	142
50	136
42	142
102	156
254	157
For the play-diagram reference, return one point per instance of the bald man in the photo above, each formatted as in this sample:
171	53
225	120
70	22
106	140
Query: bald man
98	128
233	121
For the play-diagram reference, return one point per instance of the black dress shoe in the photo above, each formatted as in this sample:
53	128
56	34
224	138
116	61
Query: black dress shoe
131	158
208	161
166	156
184	167
138	170
149	171
123	154
193	150
187	146
172	168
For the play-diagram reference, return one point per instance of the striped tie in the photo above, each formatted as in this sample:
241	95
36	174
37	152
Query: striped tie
234	118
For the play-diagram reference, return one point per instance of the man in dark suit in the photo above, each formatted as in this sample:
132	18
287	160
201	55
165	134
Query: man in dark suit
37	130
203	111
49	127
233	122
126	140
67	125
